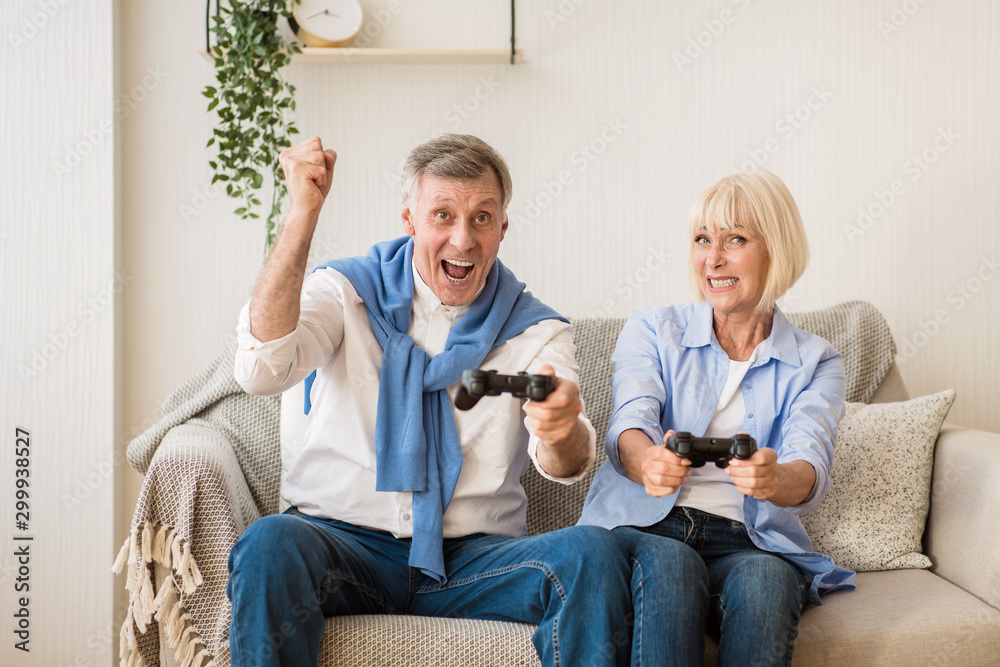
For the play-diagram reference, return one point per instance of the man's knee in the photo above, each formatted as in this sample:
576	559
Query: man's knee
588	554
269	541
593	545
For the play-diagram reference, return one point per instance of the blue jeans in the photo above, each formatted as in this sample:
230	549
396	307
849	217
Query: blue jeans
288	572
695	571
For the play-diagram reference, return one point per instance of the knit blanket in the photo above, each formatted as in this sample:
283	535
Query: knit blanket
212	467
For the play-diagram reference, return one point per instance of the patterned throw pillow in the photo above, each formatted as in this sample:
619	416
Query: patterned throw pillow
874	514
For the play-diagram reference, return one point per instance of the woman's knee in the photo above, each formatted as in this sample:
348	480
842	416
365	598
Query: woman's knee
665	557
766	581
667	571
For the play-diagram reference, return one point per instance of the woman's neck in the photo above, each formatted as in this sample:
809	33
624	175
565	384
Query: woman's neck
740	333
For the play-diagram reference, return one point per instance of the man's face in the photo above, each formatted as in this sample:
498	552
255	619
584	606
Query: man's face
456	227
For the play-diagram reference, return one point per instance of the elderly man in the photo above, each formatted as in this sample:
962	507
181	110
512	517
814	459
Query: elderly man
399	503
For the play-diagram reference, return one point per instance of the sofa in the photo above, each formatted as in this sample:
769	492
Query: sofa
212	466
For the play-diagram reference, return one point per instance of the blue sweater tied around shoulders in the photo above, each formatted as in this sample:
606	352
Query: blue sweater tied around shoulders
416	441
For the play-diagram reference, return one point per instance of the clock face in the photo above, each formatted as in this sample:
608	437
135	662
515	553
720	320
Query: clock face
334	21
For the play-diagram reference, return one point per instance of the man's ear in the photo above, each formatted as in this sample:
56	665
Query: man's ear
408	220
503	229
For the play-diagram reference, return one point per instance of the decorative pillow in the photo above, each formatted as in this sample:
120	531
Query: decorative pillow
873	516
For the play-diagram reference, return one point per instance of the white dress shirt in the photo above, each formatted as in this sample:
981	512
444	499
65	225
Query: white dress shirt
334	477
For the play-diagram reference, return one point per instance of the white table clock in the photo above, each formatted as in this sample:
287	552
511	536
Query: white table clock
326	23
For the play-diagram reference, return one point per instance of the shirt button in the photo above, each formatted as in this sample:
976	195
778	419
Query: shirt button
750	416
406	517
748	386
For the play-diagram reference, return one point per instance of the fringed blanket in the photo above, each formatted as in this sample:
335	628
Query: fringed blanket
215	470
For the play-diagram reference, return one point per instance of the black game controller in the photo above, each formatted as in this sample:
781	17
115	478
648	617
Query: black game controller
477	383
701	450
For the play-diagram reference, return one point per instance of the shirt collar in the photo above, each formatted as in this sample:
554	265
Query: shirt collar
698	332
780	345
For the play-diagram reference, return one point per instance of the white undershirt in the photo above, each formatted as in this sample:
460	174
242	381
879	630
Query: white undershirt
709	488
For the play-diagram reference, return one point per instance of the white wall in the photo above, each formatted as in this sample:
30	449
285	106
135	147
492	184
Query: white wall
61	345
840	99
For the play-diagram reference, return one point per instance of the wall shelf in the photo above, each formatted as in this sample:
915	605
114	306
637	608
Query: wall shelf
366	56
356	56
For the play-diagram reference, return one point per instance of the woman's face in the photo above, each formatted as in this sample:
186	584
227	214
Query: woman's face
733	265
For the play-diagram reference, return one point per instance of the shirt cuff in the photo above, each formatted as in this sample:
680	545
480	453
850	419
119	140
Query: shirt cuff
591	436
276	355
820	487
653	433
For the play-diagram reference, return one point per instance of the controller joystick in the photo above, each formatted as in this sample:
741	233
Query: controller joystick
718	450
477	383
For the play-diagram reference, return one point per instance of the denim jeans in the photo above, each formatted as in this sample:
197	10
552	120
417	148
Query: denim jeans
288	572
695	571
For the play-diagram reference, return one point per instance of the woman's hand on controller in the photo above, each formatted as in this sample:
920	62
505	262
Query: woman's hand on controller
663	472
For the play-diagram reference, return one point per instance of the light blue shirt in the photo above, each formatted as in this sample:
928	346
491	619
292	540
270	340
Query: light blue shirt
669	371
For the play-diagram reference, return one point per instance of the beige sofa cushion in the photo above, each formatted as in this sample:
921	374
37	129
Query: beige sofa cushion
902	617
375	641
874	514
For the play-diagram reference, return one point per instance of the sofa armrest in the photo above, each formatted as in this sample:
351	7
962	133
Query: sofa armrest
962	537
193	506
196	463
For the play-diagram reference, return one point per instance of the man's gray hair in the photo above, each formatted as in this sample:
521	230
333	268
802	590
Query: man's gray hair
459	157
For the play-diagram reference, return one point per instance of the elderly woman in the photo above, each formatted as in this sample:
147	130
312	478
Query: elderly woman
717	549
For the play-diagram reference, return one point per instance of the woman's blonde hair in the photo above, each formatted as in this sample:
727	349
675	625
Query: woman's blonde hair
760	203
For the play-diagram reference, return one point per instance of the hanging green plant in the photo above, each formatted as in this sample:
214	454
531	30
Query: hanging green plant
253	102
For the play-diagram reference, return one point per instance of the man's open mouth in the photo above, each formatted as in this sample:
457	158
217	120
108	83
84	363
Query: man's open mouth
456	270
